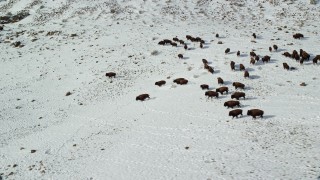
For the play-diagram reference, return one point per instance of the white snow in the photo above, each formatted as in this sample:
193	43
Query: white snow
101	132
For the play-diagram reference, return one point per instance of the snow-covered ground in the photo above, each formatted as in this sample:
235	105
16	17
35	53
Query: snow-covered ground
101	132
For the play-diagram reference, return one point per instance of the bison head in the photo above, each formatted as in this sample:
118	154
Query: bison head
249	112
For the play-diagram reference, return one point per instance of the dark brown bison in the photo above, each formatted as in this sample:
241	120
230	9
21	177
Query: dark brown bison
294	52
235	113
204	61
181	41
180	56
223	89
238	85
175	39
217	35
188	37
227	51
238	95
185	47
210	69
198	39
298	36
242	68
167	41
287	54
252	54
180	81
232	64
255	112
211	94
160	83
315	59
285	66
231	104
220	80
254	35
270	49
161	43
296	57
246	74
206	66
174	44
266	59
301	61
252	61
201	45
257	58
204	86
305	56
1	28
111	74
142	97
275	47
238	53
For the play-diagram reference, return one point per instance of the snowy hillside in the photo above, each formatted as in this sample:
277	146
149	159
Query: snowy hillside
62	118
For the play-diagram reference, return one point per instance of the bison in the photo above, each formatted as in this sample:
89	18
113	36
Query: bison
210	69
238	85
160	83
252	61
220	80
305	55
185	47
255	112
275	47
142	97
315	59
161	43
266	59
231	104
206	66
246	74
211	94
238	53
242	68
287	54
223	89
201	45
204	86
111	74
175	39
257	58
252	54
285	66
181	41
254	35
180	56
235	113
238	95
217	35
174	44
204	61
227	51
298	36
232	63
270	49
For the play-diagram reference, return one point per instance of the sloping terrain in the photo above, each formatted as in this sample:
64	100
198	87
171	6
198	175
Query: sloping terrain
100	131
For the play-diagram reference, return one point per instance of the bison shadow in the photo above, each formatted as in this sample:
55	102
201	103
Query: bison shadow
185	58
251	98
280	50
205	47
250	69
227	82
243	55
191	48
268	116
216	71
233	52
254	77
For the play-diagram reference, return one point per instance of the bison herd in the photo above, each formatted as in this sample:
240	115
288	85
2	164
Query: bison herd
300	56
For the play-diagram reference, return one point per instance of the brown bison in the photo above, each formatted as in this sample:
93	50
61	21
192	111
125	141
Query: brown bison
270	49
206	66
315	59
185	47
246	74
210	69
305	56
296	57
227	51
231	104
266	59
238	95
287	54
201	45
175	39
223	89
111	74
202	41
285	66
142	97
204	61
242	68
180	56
254	35
275	47
238	53
167	41
188	37
178	80
252	61
181	41
160	83
252	54
235	113
232	64
211	94
161	43
298	36
181	81
238	85
220	80
257	58
1	28
217	35
294	52
174	44
255	112
204	86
